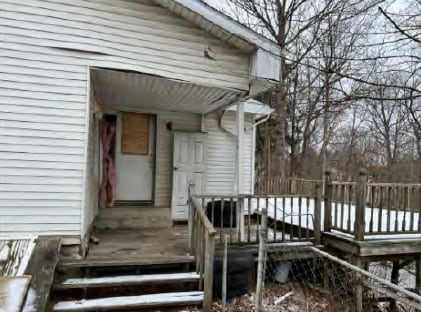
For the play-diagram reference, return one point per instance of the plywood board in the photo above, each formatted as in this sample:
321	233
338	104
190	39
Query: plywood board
135	134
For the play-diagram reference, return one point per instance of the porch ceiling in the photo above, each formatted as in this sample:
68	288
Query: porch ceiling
130	90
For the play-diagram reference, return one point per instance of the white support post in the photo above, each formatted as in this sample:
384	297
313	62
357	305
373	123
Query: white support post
240	148
240	166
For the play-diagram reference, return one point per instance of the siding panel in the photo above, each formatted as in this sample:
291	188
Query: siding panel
221	155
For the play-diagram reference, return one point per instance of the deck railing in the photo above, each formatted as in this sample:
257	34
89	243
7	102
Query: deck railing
202	245
362	209
285	186
290	217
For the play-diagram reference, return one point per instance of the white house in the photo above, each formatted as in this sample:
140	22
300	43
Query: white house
169	76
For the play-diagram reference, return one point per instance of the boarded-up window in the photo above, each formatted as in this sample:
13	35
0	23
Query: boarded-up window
135	134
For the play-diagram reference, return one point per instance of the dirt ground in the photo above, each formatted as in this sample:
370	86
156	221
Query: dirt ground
280	298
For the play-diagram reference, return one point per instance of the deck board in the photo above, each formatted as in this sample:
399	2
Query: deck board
41	267
133	244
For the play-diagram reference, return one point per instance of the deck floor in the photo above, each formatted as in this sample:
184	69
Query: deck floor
138	243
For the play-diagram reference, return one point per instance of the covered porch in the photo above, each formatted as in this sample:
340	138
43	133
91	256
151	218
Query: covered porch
160	136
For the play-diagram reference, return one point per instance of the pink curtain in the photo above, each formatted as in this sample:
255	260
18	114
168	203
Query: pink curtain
107	192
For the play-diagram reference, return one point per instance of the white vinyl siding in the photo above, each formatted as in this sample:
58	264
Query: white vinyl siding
221	155
122	34
46	49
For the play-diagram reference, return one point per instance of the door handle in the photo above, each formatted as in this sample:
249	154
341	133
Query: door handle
175	168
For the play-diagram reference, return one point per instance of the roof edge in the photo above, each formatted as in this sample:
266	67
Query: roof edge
228	24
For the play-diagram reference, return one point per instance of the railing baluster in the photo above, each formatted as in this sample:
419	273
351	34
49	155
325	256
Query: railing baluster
419	210
213	210
397	207
275	206
350	192
283	218
307	217
343	190
336	191
291	199
404	206
258	219
388	207
371	190
240	218
380	224
221	228
231	220
411	192
267	211
299	216
249	220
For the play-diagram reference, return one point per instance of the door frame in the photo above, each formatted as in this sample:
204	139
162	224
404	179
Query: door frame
141	203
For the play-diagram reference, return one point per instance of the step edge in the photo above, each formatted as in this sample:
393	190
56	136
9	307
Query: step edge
147	261
123	280
180	298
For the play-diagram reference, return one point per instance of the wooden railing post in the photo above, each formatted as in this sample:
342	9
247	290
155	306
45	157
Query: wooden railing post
361	189
240	218
208	272
327	192
318	214
261	260
191	224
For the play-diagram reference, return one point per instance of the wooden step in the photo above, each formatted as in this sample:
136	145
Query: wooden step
132	302
126	280
119	262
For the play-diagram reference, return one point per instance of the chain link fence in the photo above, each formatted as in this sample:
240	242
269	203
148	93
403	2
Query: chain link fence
301	278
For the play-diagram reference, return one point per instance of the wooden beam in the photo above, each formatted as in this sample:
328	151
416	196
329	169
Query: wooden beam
41	267
358	286
418	273
394	278
208	272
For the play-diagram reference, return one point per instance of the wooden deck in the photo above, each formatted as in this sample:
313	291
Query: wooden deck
123	244
26	272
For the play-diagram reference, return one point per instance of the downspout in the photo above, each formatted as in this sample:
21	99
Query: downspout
252	127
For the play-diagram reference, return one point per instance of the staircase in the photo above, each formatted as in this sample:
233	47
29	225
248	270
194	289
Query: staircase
144	285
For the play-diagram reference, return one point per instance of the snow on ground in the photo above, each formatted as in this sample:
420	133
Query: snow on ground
289	210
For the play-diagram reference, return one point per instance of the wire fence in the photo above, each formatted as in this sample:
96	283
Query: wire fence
302	278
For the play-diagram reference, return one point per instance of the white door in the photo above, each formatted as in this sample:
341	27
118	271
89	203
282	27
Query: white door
135	173
188	166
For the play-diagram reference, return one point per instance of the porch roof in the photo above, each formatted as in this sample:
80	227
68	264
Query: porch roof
133	90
